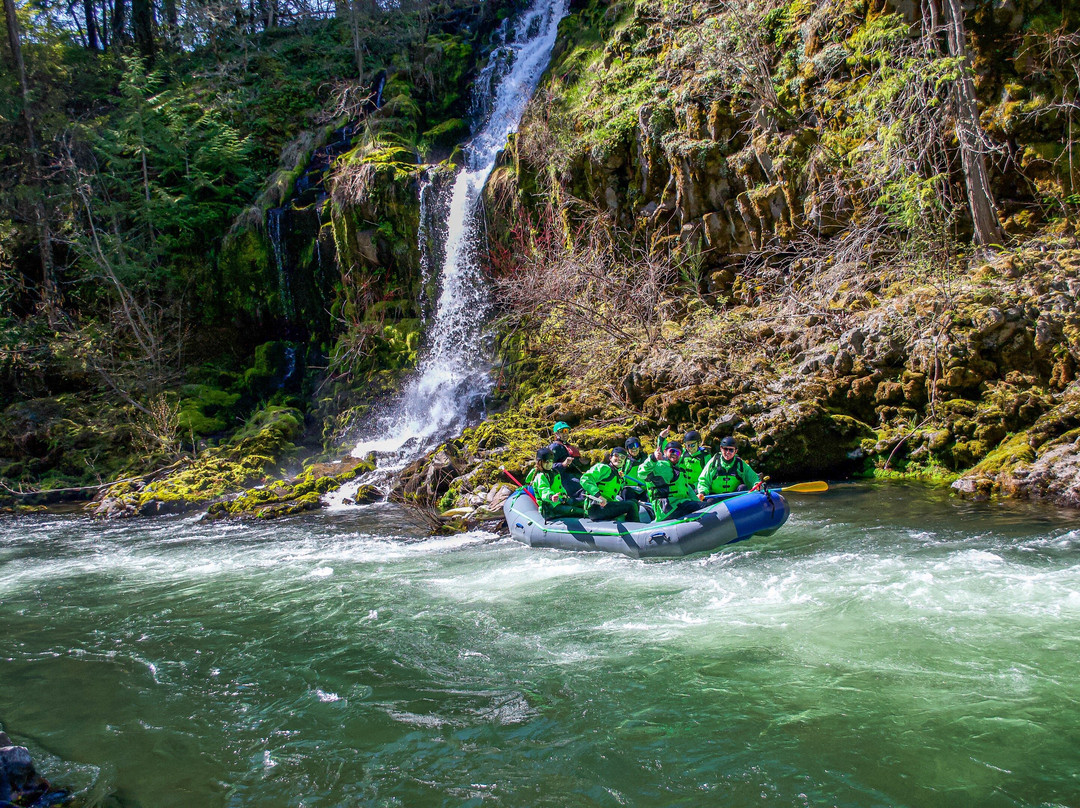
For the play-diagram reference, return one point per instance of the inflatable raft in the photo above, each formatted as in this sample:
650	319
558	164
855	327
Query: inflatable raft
734	518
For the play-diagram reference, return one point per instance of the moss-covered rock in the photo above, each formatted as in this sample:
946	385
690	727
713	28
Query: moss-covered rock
265	442
291	495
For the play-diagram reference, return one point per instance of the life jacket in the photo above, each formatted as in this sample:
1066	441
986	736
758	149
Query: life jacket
723	480
549	483
694	464
603	480
665	494
632	468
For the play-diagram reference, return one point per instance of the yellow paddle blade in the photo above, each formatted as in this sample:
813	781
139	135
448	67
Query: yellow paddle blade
807	488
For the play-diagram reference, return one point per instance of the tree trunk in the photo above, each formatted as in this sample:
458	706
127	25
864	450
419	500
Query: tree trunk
171	22
142	25
357	40
119	13
91	25
48	283
969	132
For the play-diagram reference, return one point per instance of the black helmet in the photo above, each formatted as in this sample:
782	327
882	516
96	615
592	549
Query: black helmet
618	450
692	435
728	441
632	443
673	444
544	454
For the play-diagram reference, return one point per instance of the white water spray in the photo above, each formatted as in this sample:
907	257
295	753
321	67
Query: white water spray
452	379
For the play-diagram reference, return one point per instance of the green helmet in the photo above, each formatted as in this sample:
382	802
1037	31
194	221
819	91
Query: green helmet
561	425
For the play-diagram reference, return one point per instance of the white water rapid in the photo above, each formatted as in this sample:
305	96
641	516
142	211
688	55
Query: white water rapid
452	378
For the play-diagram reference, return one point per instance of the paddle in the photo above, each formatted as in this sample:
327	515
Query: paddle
807	488
817	487
520	485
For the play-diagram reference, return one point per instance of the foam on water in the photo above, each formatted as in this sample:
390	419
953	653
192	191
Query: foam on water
369	665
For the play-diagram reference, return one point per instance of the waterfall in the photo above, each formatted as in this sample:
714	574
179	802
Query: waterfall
274	219
452	379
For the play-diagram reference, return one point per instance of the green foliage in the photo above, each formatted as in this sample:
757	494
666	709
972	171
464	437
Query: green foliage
168	172
206	410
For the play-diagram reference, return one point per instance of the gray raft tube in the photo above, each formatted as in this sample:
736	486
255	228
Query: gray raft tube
735	518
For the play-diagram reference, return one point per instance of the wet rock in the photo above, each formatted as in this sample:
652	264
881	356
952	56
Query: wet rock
114	508
497	497
20	784
975	488
428	478
366	494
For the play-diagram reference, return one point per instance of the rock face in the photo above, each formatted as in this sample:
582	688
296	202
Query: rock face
1039	463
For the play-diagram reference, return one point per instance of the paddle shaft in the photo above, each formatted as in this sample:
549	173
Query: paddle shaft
520	485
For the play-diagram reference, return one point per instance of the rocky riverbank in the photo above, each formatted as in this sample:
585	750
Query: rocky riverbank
972	384
967	381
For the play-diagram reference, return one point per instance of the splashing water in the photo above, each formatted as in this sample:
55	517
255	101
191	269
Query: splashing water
889	647
452	378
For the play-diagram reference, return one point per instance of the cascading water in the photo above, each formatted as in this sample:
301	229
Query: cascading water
274	219
452	378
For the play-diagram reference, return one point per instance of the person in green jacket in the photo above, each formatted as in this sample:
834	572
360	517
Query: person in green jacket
727	472
670	492
603	483
635	457
551	495
694	456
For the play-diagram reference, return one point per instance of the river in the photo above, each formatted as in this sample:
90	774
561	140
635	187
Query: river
889	646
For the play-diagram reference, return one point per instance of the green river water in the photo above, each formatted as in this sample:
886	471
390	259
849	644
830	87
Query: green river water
890	646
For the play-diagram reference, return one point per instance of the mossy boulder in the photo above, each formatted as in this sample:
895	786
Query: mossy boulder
1040	463
266	441
291	495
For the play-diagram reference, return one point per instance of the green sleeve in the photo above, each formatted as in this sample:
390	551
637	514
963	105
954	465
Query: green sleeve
748	476
588	481
704	481
646	468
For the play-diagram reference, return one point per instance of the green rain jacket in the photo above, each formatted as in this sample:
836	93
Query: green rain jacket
604	481
667	486
632	468
719	477
691	464
547	485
